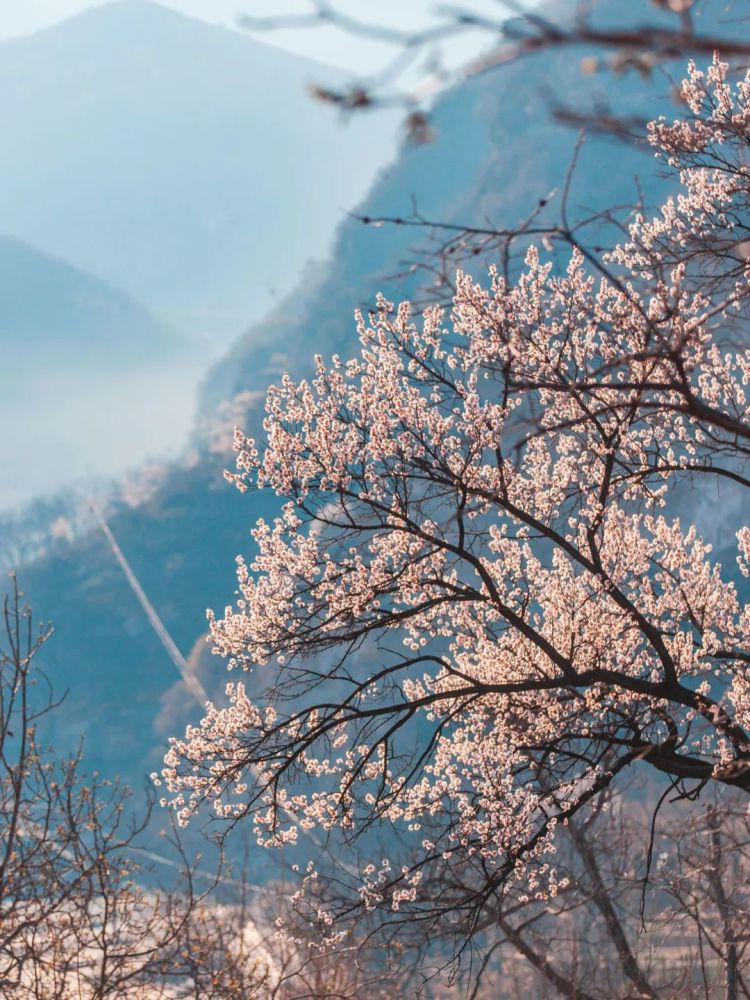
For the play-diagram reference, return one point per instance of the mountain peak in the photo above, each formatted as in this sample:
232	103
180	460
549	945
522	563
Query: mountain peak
142	15
153	23
121	9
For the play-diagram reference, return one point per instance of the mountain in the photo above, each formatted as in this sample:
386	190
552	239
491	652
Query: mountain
496	154
148	158
55	315
182	162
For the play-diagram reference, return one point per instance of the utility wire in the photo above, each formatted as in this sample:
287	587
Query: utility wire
191	681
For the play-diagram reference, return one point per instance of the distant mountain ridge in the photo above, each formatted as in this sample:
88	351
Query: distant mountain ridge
55	314
175	159
85	370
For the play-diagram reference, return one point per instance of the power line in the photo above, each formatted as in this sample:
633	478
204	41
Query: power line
191	681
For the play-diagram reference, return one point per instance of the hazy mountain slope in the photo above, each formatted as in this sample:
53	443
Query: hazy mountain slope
496	153
180	161
52	314
90	380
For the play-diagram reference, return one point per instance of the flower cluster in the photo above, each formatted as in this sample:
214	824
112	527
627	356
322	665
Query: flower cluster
479	603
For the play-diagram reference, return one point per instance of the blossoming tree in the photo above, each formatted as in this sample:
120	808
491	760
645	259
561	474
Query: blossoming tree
479	607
